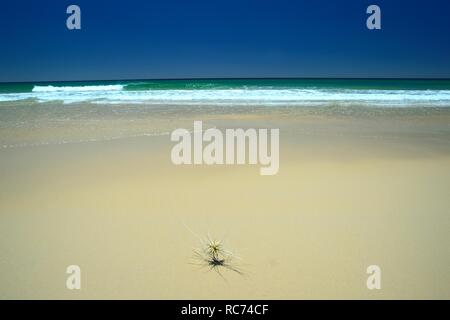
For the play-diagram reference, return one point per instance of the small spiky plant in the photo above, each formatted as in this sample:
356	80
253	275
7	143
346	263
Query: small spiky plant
213	255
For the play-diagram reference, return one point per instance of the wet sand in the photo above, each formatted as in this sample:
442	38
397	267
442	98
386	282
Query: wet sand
353	189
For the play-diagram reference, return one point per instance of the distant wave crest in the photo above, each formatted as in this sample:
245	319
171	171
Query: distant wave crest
114	87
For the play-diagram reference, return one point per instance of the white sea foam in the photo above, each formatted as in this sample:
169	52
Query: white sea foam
114	94
115	87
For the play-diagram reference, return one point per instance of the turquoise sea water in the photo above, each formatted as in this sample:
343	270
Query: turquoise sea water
376	92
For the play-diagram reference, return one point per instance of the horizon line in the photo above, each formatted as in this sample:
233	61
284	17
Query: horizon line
232	78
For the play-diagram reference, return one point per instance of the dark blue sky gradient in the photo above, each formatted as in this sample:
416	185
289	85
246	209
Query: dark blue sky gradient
231	38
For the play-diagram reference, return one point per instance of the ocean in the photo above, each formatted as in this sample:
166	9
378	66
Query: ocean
238	92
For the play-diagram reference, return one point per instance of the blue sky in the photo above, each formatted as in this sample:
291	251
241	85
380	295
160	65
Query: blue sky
213	39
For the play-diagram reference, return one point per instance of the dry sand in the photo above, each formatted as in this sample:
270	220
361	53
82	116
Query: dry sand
352	191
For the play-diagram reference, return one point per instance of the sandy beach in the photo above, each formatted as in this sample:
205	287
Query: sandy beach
244	152
356	187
